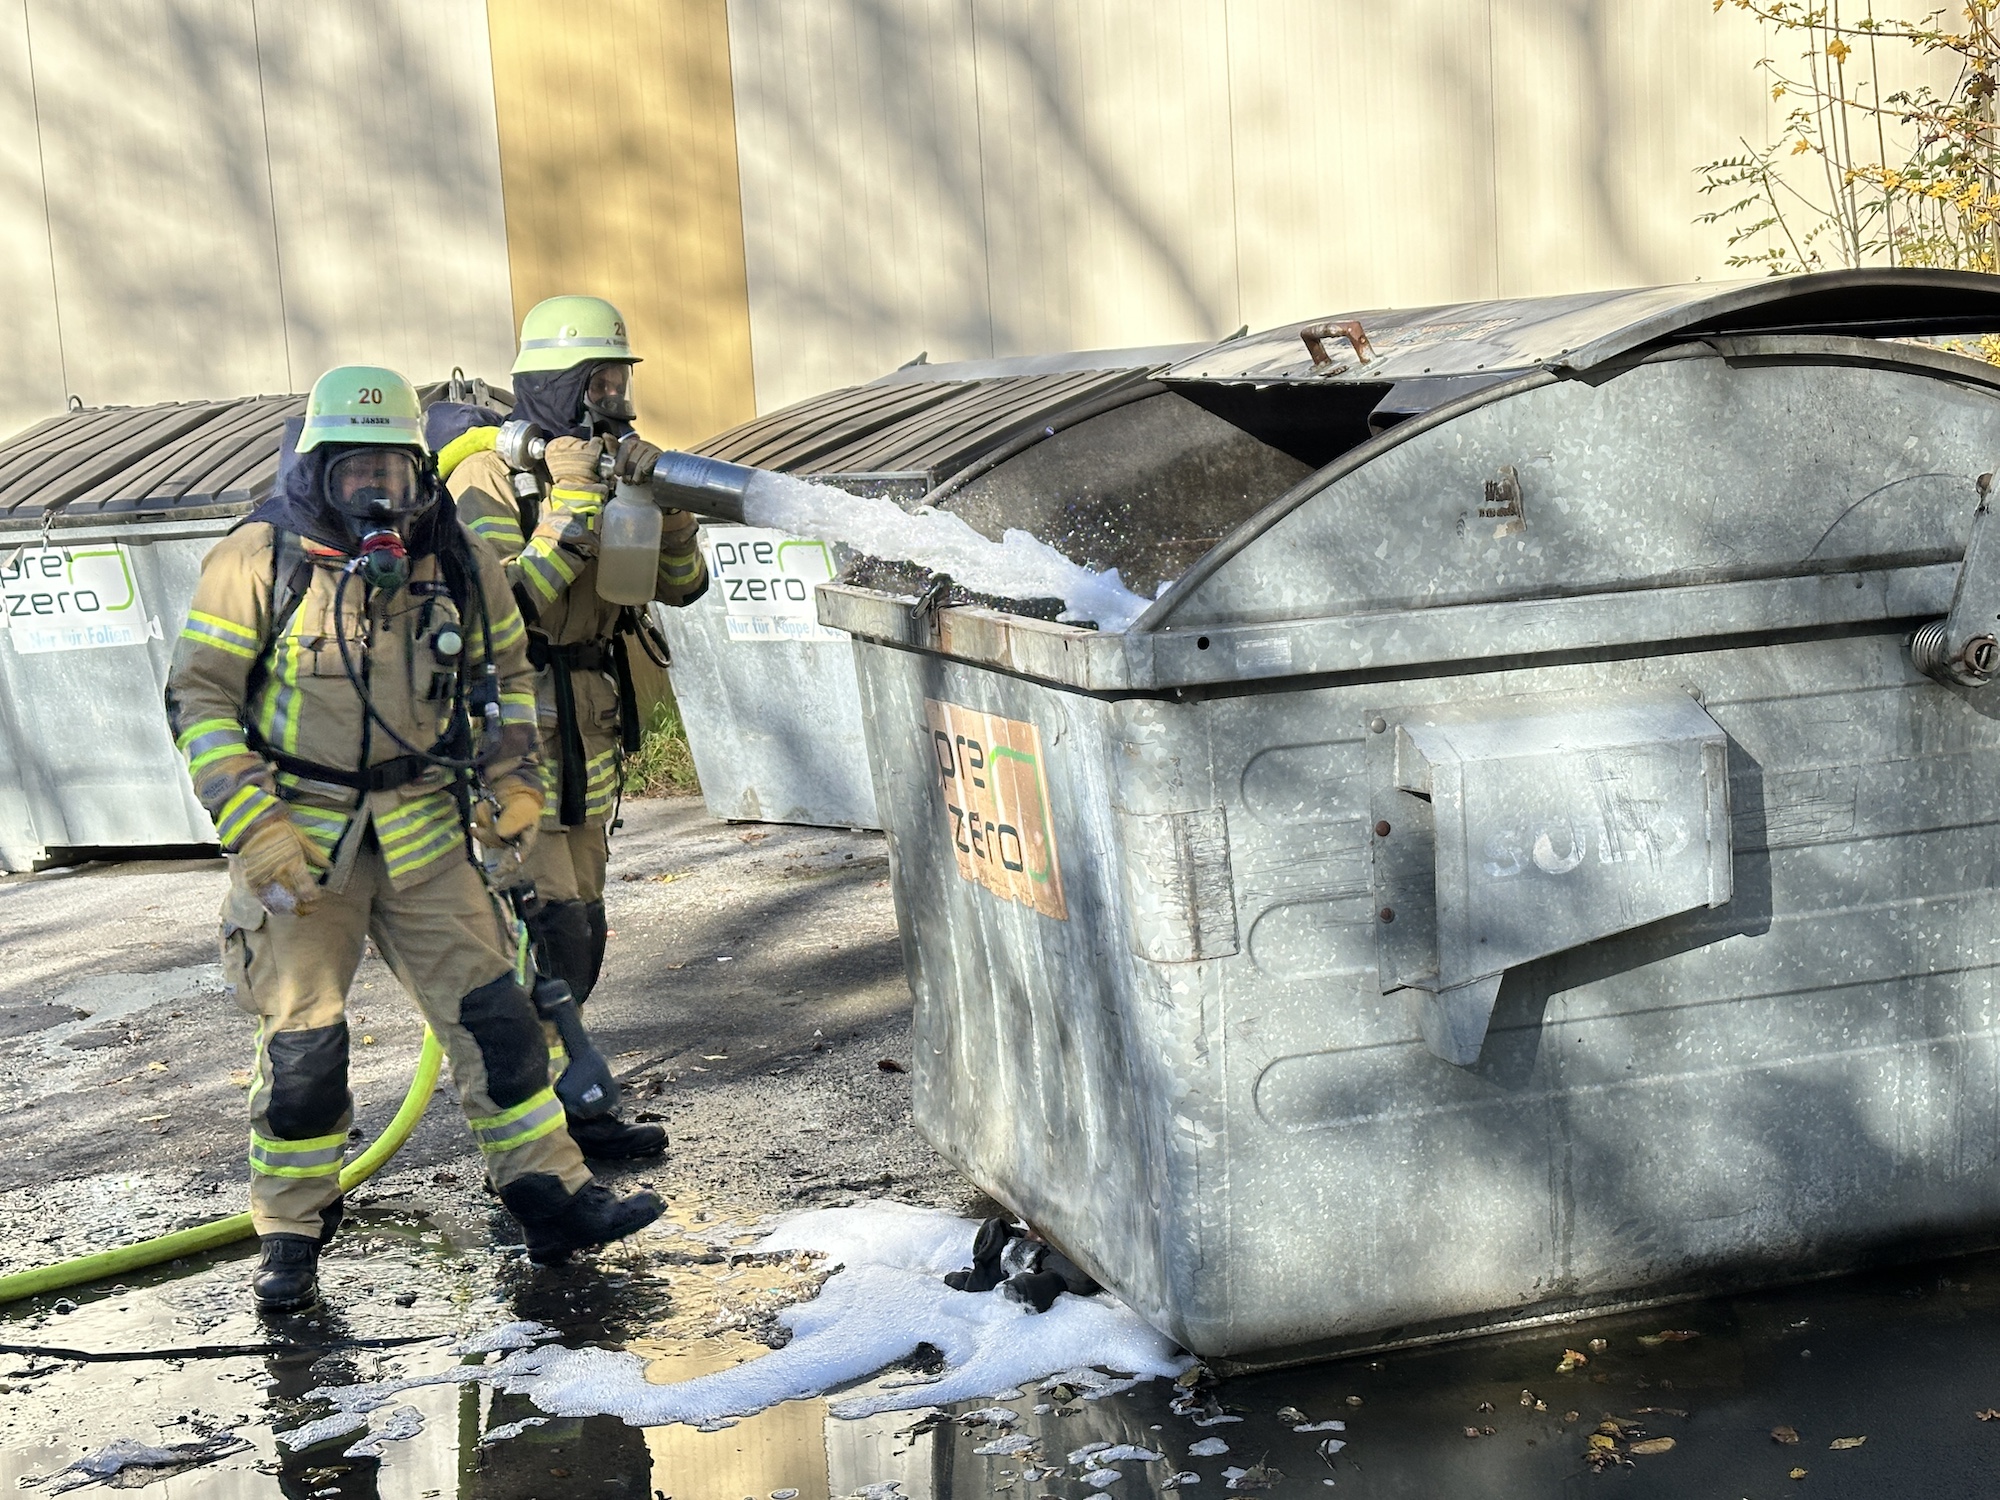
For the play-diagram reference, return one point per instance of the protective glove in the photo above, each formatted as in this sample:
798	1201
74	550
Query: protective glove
517	822
279	864
572	464
636	458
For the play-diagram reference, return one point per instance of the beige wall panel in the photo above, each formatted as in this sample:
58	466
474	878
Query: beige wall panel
1106	144
863	209
385	166
1364	154
31	377
618	160
159	200
1603	110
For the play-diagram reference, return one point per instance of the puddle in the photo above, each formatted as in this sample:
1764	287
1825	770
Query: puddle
1902	1359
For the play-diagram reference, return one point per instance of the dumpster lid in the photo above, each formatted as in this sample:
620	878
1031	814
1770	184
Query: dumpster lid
1587	329
933	427
174	460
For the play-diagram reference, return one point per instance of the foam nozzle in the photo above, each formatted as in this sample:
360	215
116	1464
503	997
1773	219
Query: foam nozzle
706	486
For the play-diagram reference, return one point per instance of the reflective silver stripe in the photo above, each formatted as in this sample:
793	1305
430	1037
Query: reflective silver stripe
520	1130
576	343
340	419
318	1162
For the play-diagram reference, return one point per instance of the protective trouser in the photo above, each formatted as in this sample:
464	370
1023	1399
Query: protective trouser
446	943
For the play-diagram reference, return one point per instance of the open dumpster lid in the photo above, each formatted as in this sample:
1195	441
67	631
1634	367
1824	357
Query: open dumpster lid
1587	329
177	460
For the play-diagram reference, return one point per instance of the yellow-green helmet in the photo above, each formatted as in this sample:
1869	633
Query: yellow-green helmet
560	332
363	404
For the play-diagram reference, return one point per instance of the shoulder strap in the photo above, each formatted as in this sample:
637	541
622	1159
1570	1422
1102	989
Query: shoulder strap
291	581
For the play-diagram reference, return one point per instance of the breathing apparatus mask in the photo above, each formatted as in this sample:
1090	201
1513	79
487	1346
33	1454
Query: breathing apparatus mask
378	492
607	395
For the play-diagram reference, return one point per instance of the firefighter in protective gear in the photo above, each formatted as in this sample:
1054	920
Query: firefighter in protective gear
351	672
574	381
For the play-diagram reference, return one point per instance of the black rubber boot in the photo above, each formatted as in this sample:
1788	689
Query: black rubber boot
600	933
560	931
1037	1290
287	1275
558	1223
608	1138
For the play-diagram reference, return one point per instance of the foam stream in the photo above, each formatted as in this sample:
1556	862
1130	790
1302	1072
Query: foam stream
890	1298
1019	566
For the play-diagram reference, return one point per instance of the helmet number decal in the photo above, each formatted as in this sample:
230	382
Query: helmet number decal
369	395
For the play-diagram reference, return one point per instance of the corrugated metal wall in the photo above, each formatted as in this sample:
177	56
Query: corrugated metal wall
978	177
222	197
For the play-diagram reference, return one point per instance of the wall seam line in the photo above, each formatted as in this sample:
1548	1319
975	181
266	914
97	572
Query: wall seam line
1229	123
48	214
985	208
271	197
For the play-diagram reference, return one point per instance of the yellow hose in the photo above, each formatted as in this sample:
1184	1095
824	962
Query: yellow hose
225	1231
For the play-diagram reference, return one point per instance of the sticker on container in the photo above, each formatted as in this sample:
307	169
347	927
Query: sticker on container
72	599
766	580
995	791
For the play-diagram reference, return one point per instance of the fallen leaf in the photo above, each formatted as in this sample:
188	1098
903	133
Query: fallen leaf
1571	1416
1668	1336
367	1041
1598	1441
1570	1360
1785	1434
1353	1400
1541	1405
1991	1414
1290	1414
1598	1346
751	838
1613	1426
1483	1406
1472	1432
1839	1443
1796	1474
890	1065
1527	1398
1652	1445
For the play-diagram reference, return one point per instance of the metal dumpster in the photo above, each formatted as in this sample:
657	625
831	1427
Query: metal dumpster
766	692
1517	867
105	516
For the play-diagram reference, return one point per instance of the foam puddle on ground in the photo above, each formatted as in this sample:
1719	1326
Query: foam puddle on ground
888	1299
1019	566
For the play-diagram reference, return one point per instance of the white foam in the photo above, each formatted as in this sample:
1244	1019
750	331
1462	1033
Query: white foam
1208	1448
1019	566
889	1298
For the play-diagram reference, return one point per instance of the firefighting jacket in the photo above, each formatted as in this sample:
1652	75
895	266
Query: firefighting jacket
551	561
272	725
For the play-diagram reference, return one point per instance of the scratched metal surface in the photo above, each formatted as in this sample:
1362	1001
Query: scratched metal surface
1195	1081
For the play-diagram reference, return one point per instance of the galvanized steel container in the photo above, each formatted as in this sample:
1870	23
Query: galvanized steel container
766	692
1515	866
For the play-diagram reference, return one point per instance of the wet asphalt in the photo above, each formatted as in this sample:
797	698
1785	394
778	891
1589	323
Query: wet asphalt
754	991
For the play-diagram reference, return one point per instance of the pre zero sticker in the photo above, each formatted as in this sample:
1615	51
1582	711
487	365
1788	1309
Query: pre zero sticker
766	580
71	599
995	792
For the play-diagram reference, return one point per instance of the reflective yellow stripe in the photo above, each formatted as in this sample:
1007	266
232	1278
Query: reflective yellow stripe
681	568
527	1121
244	807
418	832
600	784
547	571
517	708
496	528
223	635
195	735
317	1157
319	824
507	630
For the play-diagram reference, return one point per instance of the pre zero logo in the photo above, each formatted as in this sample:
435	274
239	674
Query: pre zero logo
71	599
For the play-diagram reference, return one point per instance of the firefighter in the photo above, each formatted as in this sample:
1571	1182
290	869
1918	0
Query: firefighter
573	380
352	676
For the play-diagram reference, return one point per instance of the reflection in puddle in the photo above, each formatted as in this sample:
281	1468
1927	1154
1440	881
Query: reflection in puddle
1902	1359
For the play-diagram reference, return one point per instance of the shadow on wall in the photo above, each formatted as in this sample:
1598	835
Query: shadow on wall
222	198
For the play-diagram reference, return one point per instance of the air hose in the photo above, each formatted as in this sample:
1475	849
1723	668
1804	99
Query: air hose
167	1247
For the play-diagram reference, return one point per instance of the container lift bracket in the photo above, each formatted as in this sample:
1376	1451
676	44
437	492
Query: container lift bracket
1513	828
